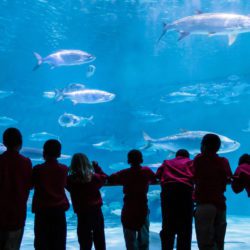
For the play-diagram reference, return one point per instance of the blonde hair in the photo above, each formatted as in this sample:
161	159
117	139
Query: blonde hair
81	168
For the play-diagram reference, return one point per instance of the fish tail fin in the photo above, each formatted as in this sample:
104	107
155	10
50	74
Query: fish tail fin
146	137
58	95
49	94
148	141
90	119
39	61
165	28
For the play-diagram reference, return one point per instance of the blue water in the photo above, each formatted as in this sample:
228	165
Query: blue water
141	73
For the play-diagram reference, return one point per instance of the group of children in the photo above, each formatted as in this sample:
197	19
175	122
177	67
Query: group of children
183	182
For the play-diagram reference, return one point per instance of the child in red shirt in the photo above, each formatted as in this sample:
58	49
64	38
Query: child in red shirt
135	181
176	176
211	175
84	182
15	185
49	201
241	177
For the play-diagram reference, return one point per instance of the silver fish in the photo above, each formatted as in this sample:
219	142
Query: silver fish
148	116
189	140
64	58
211	24
77	93
70	120
4	94
35	154
7	121
111	145
225	92
42	136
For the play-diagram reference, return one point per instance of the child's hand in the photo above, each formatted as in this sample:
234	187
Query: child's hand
244	177
95	163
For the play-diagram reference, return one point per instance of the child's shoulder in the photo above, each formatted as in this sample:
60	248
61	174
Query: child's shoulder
146	169
62	166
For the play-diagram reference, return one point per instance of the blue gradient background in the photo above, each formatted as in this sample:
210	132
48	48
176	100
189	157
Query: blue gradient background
123	37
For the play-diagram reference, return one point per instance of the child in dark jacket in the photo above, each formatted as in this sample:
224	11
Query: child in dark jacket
211	175
49	200
15	185
176	176
84	182
241	177
135	181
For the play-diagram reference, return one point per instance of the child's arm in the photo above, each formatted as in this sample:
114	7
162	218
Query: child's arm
240	180
100	175
153	177
237	184
97	168
229	172
159	171
116	178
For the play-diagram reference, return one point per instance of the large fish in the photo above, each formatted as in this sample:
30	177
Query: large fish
35	154
70	120
64	58
77	93
189	140
4	94
112	144
211	24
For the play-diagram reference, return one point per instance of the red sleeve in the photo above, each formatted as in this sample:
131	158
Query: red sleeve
228	171
152	176
240	180
237	185
159	171
30	173
69	184
117	178
98	169
34	176
195	165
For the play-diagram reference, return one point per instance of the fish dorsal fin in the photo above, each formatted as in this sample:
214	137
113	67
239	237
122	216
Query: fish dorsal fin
231	38
183	34
183	130
211	33
198	12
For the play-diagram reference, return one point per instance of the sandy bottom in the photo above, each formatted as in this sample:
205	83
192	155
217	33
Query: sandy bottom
238	236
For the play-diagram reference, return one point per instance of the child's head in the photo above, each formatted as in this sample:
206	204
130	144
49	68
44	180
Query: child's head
12	139
182	152
81	167
52	149
210	143
135	157
244	159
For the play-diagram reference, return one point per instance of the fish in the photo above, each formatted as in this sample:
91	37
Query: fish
35	154
179	97
91	70
111	145
78	93
247	130
7	121
70	120
226	92
210	24
148	116
42	136
4	94
189	140
64	58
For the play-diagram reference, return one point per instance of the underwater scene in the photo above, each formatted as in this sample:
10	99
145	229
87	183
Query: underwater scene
107	76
